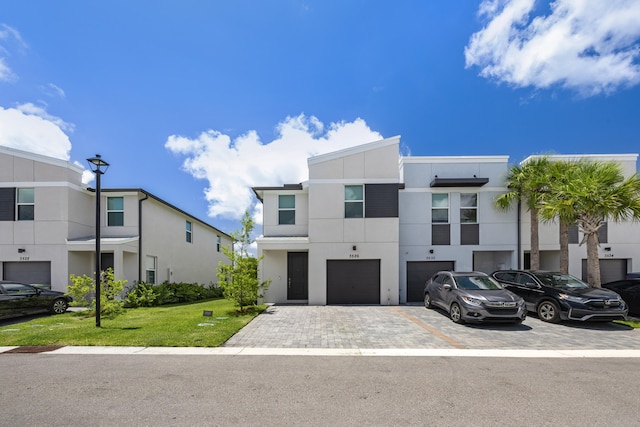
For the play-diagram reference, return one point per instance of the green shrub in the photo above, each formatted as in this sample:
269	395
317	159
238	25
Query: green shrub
148	295
83	291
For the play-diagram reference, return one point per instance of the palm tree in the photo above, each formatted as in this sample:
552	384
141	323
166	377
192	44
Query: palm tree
527	183
590	193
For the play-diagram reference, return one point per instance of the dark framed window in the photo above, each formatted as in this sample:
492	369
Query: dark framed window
440	208
286	209
189	231
469	208
115	211
152	263
218	243
353	201
25	204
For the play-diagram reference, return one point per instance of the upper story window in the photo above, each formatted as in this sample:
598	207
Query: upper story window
440	208
286	209
115	211
218	243
189	230
25	206
353	201
469	208
152	263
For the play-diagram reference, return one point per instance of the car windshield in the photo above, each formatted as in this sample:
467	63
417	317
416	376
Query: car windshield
558	280
476	282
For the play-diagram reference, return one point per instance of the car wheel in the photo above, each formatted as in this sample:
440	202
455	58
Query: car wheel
427	300
59	306
456	313
548	311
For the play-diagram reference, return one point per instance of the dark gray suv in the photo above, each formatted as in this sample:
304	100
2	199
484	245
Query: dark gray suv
473	297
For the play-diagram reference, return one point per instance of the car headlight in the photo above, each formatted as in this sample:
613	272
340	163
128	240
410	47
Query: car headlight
471	301
573	298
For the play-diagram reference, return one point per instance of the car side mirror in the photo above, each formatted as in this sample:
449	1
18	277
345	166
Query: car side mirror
447	286
531	285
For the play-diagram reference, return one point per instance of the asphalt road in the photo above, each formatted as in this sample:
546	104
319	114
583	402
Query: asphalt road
188	390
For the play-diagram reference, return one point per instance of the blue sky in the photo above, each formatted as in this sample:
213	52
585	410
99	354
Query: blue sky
197	101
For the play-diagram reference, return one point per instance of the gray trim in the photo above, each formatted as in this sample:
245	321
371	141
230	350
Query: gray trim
283	187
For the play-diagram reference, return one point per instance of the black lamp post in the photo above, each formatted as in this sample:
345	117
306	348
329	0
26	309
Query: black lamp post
98	166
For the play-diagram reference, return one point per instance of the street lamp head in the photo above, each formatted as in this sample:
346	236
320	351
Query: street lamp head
96	163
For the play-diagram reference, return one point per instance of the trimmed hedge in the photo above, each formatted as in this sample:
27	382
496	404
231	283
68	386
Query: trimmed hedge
147	295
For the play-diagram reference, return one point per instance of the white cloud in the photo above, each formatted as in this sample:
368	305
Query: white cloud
8	37
31	128
591	46
232	167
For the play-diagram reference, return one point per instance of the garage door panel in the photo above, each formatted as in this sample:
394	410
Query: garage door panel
418	272
353	281
27	272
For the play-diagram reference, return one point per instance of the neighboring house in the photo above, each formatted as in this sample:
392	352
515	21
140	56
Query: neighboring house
619	249
369	227
47	229
334	239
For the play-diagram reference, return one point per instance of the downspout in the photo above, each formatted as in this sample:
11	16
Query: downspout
140	236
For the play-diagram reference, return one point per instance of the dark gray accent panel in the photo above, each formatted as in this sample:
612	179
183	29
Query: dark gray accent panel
574	234
381	200
7	204
469	234
418	272
353	282
440	234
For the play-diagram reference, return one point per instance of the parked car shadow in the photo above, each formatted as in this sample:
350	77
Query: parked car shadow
593	325
22	319
494	326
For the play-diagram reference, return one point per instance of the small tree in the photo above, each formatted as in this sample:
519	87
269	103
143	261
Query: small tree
239	279
83	289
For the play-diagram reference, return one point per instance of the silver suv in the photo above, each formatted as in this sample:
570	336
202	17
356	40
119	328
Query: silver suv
473	297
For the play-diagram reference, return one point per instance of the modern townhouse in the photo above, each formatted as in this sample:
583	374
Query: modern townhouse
47	229
370	226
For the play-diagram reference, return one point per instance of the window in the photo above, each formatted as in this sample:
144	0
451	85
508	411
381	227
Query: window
218	243
439	208
189	230
353	201
25	204
152	263
469	208
115	211
286	209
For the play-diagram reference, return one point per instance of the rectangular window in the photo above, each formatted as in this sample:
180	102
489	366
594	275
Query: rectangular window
440	208
469	208
115	211
218	243
25	206
286	209
152	263
353	201
189	230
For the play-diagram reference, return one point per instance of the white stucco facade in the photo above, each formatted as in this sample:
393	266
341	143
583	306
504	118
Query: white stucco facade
445	219
148	240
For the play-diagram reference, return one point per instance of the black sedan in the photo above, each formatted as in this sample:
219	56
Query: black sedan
557	296
473	297
19	299
629	290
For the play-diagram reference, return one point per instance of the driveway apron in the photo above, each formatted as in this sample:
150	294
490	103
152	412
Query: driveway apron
414	327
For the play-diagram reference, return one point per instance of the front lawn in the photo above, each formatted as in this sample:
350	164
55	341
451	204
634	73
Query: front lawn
165	326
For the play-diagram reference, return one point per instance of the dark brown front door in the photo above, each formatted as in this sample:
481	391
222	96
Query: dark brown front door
297	275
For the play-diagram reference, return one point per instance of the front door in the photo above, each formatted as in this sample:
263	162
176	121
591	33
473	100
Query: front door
297	275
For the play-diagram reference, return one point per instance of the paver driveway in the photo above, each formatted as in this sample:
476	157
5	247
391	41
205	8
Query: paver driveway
414	327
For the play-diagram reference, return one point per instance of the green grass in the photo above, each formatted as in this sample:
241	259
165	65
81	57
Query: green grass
166	326
632	323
